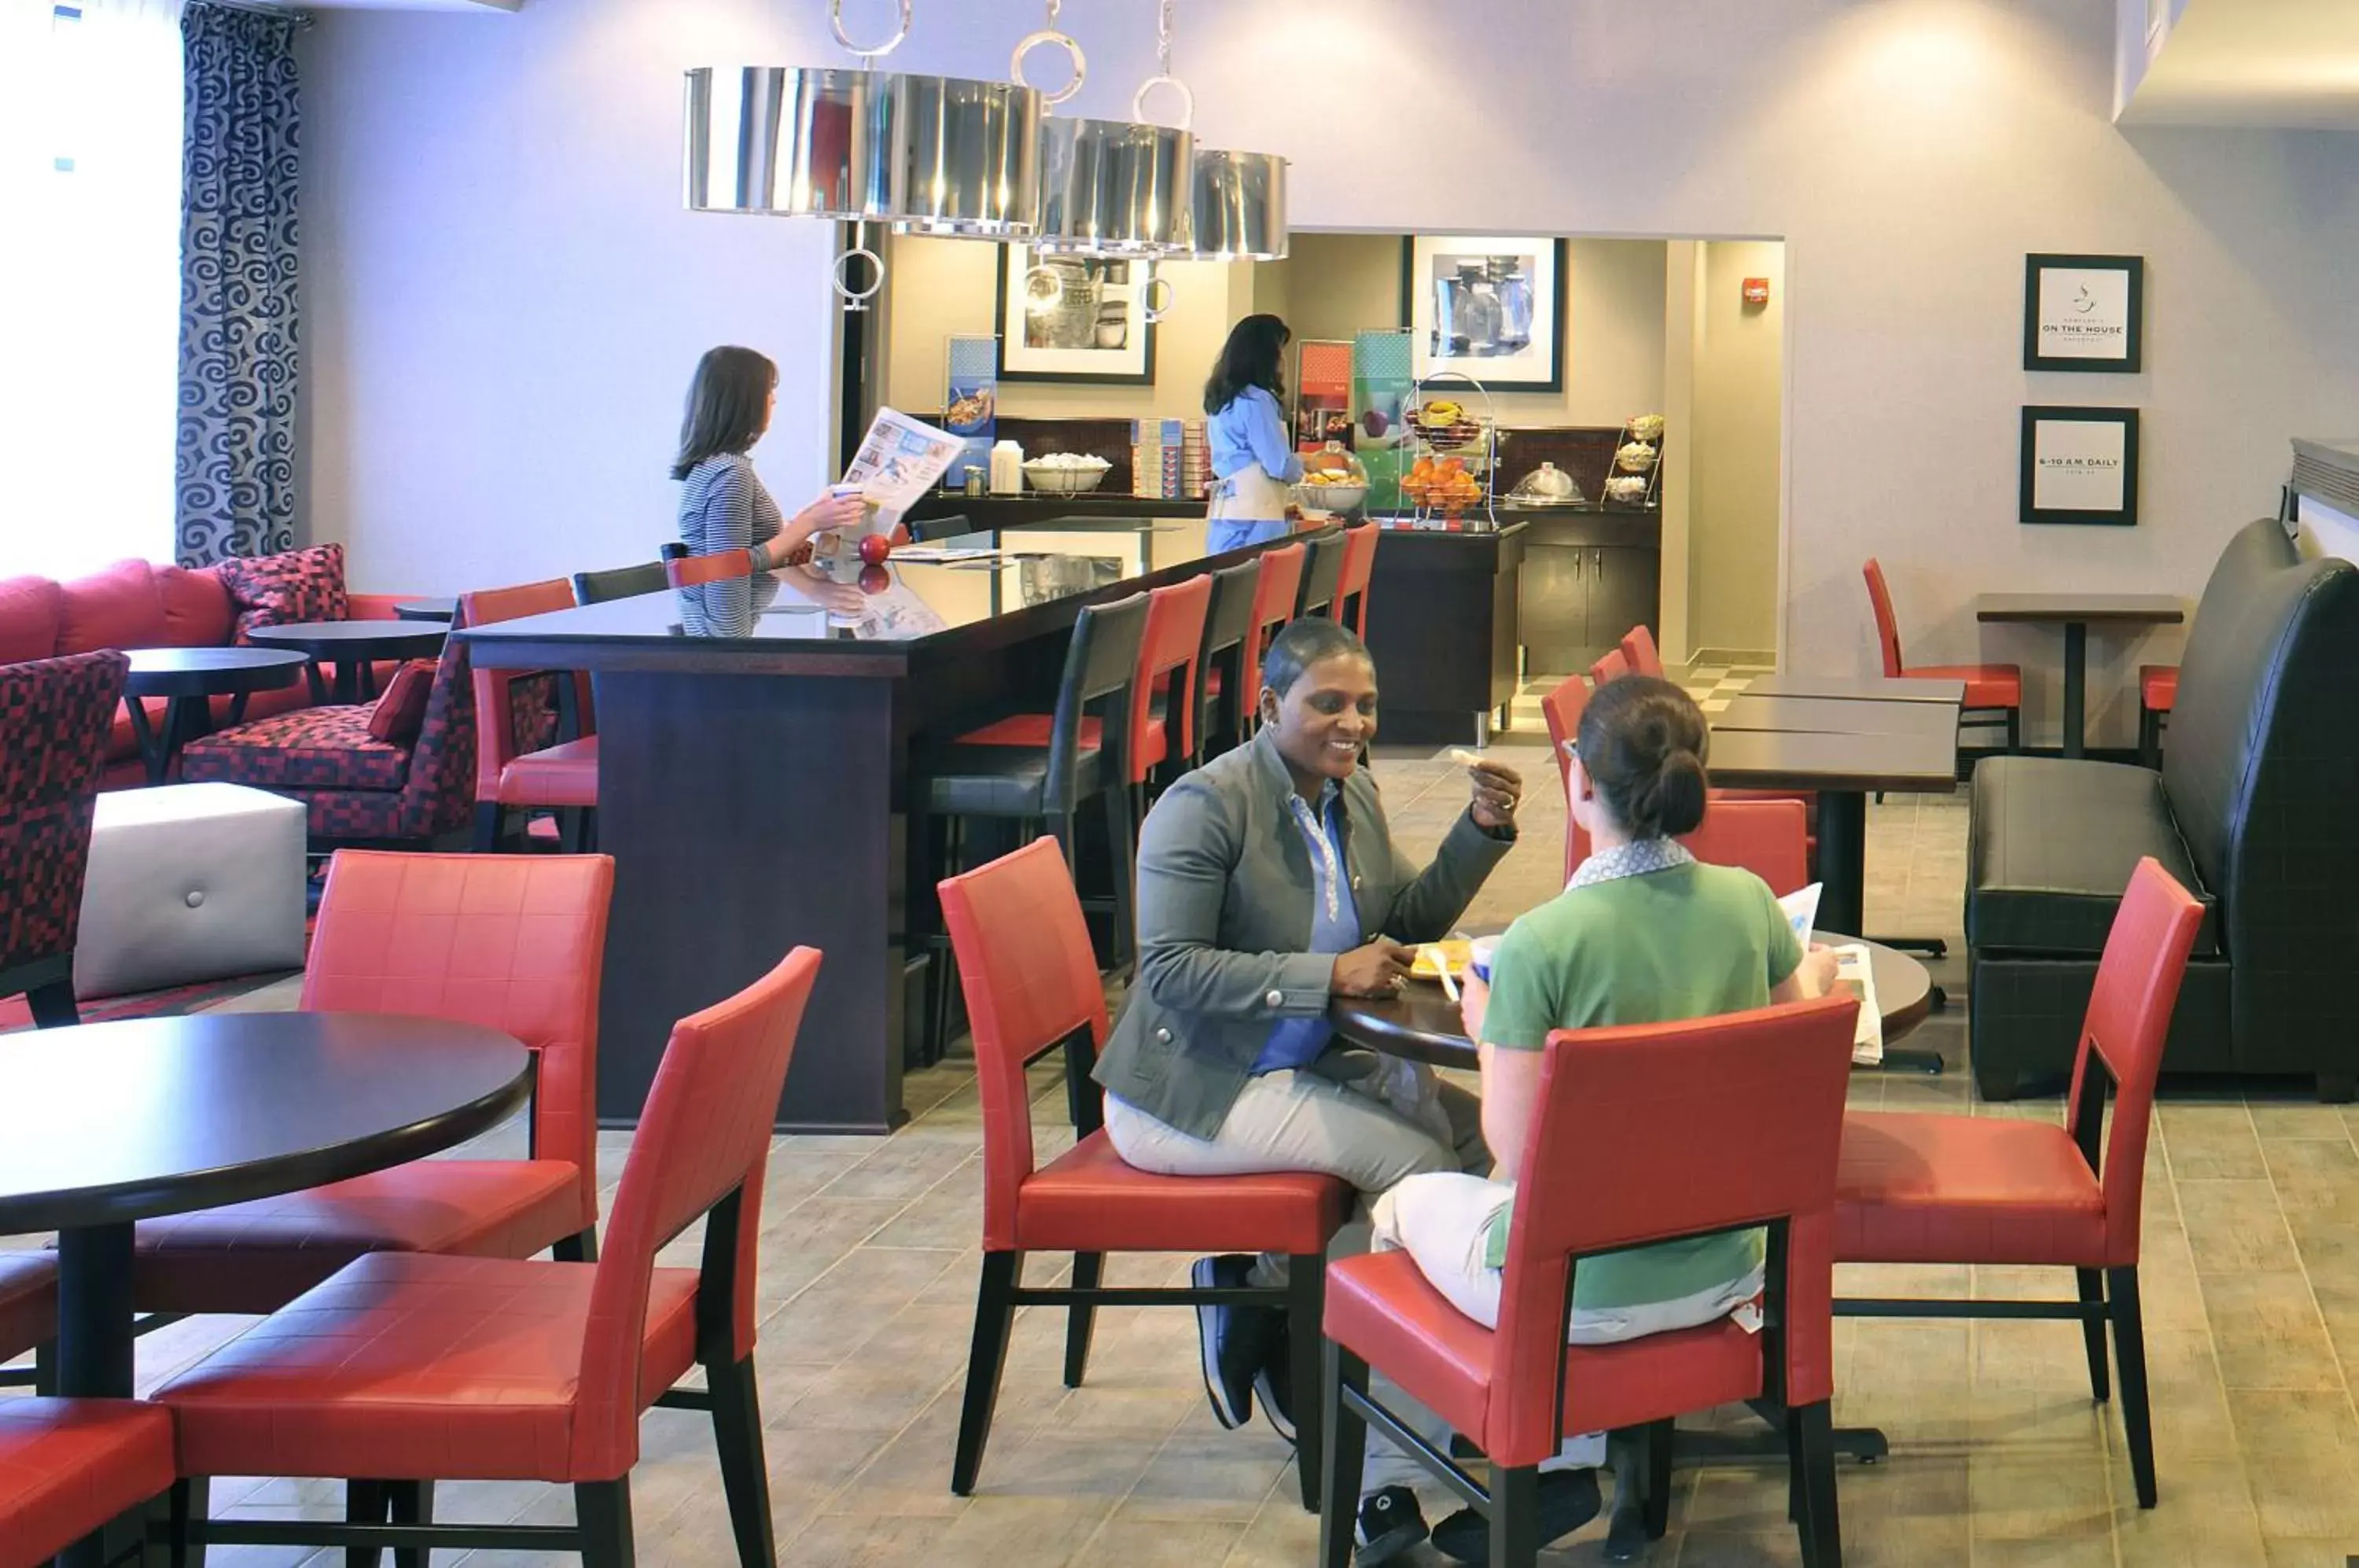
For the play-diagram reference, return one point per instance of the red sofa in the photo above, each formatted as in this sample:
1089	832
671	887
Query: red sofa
134	603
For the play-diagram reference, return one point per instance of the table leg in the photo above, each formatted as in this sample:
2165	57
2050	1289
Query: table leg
155	750
1842	858
318	684
94	1331
348	681
2076	681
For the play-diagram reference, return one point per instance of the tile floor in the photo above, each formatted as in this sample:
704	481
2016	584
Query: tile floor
1999	1458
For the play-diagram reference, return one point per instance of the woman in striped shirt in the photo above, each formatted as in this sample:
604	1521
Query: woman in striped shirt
722	502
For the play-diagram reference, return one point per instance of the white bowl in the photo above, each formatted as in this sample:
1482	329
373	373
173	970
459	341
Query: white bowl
1329	498
1063	481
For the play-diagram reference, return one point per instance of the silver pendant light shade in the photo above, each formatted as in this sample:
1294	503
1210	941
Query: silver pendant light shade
939	154
789	141
1114	188
965	157
1239	209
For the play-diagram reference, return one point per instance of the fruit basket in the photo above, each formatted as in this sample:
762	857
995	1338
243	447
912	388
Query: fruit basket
1454	448
1065	473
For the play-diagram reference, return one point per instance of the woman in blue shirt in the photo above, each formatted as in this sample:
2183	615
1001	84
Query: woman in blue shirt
1253	461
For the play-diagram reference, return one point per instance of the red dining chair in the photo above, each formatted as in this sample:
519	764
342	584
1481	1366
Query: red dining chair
1768	838
403	1370
1993	691
514	942
1561	707
1638	649
1032	986
1642	1134
68	1467
1610	665
1998	1189
512	771
1359	572
2158	694
683	570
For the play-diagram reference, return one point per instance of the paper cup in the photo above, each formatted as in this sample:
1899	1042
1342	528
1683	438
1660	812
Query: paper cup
1478	957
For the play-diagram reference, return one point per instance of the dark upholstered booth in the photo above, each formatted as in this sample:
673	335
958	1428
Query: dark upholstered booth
2253	812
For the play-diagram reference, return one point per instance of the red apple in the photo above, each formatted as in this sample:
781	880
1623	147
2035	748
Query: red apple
1374	422
874	579
874	547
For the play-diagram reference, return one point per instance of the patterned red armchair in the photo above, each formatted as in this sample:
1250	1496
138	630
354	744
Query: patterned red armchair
54	718
361	788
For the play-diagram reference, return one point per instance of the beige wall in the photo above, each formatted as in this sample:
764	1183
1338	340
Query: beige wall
935	288
1735	466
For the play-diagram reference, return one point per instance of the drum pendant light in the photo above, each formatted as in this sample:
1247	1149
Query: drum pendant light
1109	187
964	157
1239	208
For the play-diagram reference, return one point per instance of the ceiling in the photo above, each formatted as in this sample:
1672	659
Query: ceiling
2253	62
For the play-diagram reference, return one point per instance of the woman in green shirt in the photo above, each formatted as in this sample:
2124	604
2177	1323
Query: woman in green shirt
1643	934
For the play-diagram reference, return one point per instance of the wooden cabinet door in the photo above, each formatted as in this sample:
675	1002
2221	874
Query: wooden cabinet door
1624	590
1553	609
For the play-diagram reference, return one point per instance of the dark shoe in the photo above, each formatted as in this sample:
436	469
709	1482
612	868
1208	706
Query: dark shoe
1568	1500
1274	1383
1232	1339
1390	1523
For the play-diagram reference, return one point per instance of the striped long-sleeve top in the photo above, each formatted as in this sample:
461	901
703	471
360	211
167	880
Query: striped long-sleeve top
724	505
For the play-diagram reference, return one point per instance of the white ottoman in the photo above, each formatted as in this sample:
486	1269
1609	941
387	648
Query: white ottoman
189	882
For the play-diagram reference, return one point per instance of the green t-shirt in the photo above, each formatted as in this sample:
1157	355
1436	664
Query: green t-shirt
1685	942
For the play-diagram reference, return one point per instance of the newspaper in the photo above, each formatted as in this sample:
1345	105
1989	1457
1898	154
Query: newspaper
897	463
1801	907
1854	974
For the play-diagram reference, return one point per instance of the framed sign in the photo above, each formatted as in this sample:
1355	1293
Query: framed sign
2080	465
2083	312
1490	306
1073	318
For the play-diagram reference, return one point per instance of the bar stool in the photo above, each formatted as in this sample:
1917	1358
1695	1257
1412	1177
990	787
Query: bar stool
1322	574
1359	571
683	570
618	583
1040	788
510	711
1277	585
1221	659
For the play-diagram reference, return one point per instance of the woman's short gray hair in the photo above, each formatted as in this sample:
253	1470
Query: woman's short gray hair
1303	643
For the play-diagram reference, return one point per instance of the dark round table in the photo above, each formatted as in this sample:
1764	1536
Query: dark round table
1423	1025
350	645
188	679
427	609
125	1121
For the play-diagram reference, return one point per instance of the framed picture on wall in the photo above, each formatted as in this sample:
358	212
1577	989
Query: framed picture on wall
1073	318
2083	312
1490	306
2080	465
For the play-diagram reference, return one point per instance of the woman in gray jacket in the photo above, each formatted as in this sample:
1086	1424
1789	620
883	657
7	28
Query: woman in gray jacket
1268	883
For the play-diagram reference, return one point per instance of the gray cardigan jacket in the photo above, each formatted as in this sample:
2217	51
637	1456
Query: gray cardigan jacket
1224	900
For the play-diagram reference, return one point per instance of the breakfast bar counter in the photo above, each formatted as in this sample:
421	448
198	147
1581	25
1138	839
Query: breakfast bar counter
752	766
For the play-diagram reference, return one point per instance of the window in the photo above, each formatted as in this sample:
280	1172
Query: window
90	281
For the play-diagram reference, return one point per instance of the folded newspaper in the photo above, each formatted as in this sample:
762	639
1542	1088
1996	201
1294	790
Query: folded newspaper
897	463
1854	974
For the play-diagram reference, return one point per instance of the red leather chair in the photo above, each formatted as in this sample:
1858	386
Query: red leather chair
1032	985
1950	1189
1993	691
1359	572
55	715
519	767
683	570
1561	707
68	1466
29	1317
2158	694
1638	648
1612	665
1278	585
403	1370
515	943
1642	1134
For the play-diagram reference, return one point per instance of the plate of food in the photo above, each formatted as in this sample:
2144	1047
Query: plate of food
1434	954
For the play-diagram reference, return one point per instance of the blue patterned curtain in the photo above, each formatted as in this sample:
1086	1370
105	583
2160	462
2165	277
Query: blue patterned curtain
235	463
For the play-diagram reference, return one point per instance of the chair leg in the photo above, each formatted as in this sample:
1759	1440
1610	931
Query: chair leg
365	1503
1659	1439
488	826
1347	1451
2090	1284
1306	1314
410	1502
191	1504
1811	1449
1121	851
1516	1517
995	1314
603	1510
2150	739
2014	731
744	1474
53	1005
2130	1351
581	1246
569	839
45	1368
1080	1318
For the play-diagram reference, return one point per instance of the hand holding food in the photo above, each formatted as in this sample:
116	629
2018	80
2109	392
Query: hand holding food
1497	788
1374	970
828	513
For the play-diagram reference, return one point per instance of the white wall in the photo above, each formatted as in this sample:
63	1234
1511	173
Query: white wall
505	298
1736	438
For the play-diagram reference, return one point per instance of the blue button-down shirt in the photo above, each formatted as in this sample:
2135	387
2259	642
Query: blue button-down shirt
1335	926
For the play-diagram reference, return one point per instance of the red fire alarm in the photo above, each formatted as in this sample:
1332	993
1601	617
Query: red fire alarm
1757	292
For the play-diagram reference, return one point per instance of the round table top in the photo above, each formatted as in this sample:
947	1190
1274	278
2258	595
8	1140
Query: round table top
200	671
124	1121
356	639
427	609
1423	1024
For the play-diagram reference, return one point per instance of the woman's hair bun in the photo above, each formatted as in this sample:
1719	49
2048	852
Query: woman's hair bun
1642	742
